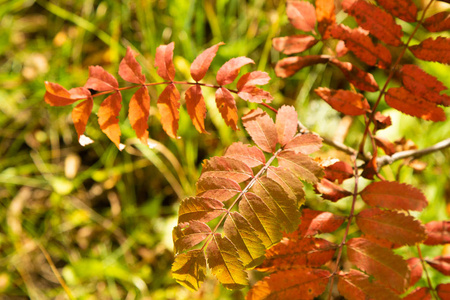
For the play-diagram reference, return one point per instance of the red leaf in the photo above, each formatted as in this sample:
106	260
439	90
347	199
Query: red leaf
187	235
290	65
421	293
164	61
413	105
380	262
325	16
441	263
338	171
108	117
249	155
438	233
433	50
331	191
371	168
390	225
130	70
168	104
370	17
227	107
286	124
424	85
247	89
381	242
252	79
218	188
360	79
201	64
357	41
100	80
443	291
138	113
304	143
382	121
80	115
262	129
438	22
196	107
385	144
230	70
302	15
294	43
315	222
346	102
226	167
416	268
394	195
56	95
403	9
301	165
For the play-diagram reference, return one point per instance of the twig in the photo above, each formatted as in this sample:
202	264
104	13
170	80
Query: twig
424	266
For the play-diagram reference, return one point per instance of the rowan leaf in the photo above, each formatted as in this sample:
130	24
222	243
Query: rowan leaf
247	89
346	102
286	124
393	226
331	191
403	9
218	188
189	268
168	104
443	290
225	264
316	222
416	270
230	70
293	43
253	78
187	235
385	144
358	41
227	107
394	195
440	263
261	218
291	254
289	182
424	85
420	293
279	202
100	80
302	15
438	22
290	65
338	171
56	95
262	129
413	105
250	155
289	284
379	262
438	233
437	50
130	70
360	79
80	115
382	121
326	16
138	113
199	209
301	165
201	63
378	22
226	167
356	285
196	107
242	234
164	61
108	117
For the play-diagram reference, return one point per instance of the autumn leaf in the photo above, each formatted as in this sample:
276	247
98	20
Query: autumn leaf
218	188
189	269
316	222
443	290
403	9
290	65
286	124
164	61
331	191
382	121
226	167
187	235
230	70
416	270
346	102
420	293
168	104
294	43
326	17
108	117
201	64
80	115
289	182
130	70
262	129
138	113
301	165
199	209
338	171
438	22
100	80
56	95
385	144
302	15
247	89
227	107
250	155
196	107
438	233
304	143
360	79
440	263
437	50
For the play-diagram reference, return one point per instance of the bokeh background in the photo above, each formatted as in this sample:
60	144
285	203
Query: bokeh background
104	218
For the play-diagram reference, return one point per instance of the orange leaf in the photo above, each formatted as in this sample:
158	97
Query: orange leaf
138	113
164	61
331	191
302	15
289	182
382	121
438	22
187	235
421	293
290	65
358	41
360	79
346	102
249	155
403	9
338	171
424	85
440	263
100	80
199	209
438	233
290	284
168	104
80	115
416	268
201	64
379	262
413	105
371	168
304	143
227	107
325	16
443	291
262	129
253	94
433	50
394	195
315	222
230	70
385	144
380	23
226	167
108	115
286	124
130	70
195	105
218	188
56	95
301	165
252	79
294	43
392	226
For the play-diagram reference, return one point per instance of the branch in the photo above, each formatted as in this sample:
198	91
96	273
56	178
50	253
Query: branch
389	159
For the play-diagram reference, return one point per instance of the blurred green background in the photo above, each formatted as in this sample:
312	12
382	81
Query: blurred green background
103	217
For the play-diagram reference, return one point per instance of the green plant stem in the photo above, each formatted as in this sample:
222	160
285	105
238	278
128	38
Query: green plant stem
424	266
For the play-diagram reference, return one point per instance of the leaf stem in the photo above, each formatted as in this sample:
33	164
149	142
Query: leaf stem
424	266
